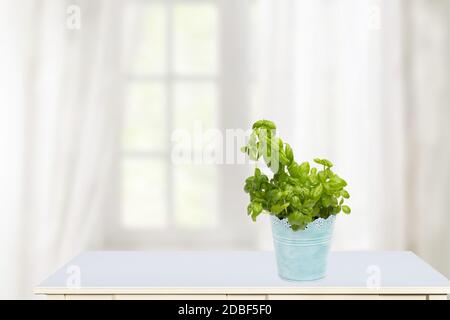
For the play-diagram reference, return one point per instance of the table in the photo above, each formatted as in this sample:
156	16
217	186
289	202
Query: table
240	275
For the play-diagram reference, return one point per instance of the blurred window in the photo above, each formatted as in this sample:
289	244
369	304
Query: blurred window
169	63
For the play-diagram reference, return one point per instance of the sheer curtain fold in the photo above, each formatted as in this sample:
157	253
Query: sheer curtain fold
12	45
368	86
428	129
326	72
68	122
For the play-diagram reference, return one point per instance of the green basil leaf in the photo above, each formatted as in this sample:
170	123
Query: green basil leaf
323	162
345	194
289	153
264	124
346	209
317	192
277	208
304	168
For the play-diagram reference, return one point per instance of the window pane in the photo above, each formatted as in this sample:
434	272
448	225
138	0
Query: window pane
195	102
196	203
143	193
145	117
195	38
195	105
144	39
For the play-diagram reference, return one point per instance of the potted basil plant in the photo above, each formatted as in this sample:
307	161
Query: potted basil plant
302	201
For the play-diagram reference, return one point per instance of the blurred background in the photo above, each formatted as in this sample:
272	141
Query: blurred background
91	92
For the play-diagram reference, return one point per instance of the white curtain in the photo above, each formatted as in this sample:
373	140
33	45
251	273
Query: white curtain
366	84
58	131
429	130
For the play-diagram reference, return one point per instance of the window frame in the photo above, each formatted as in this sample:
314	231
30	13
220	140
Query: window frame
233	108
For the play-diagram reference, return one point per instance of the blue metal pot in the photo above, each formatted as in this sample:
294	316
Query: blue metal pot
302	255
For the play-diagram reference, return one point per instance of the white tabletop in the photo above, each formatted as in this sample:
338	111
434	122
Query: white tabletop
114	272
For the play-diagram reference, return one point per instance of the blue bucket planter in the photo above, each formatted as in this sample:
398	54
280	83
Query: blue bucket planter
302	255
